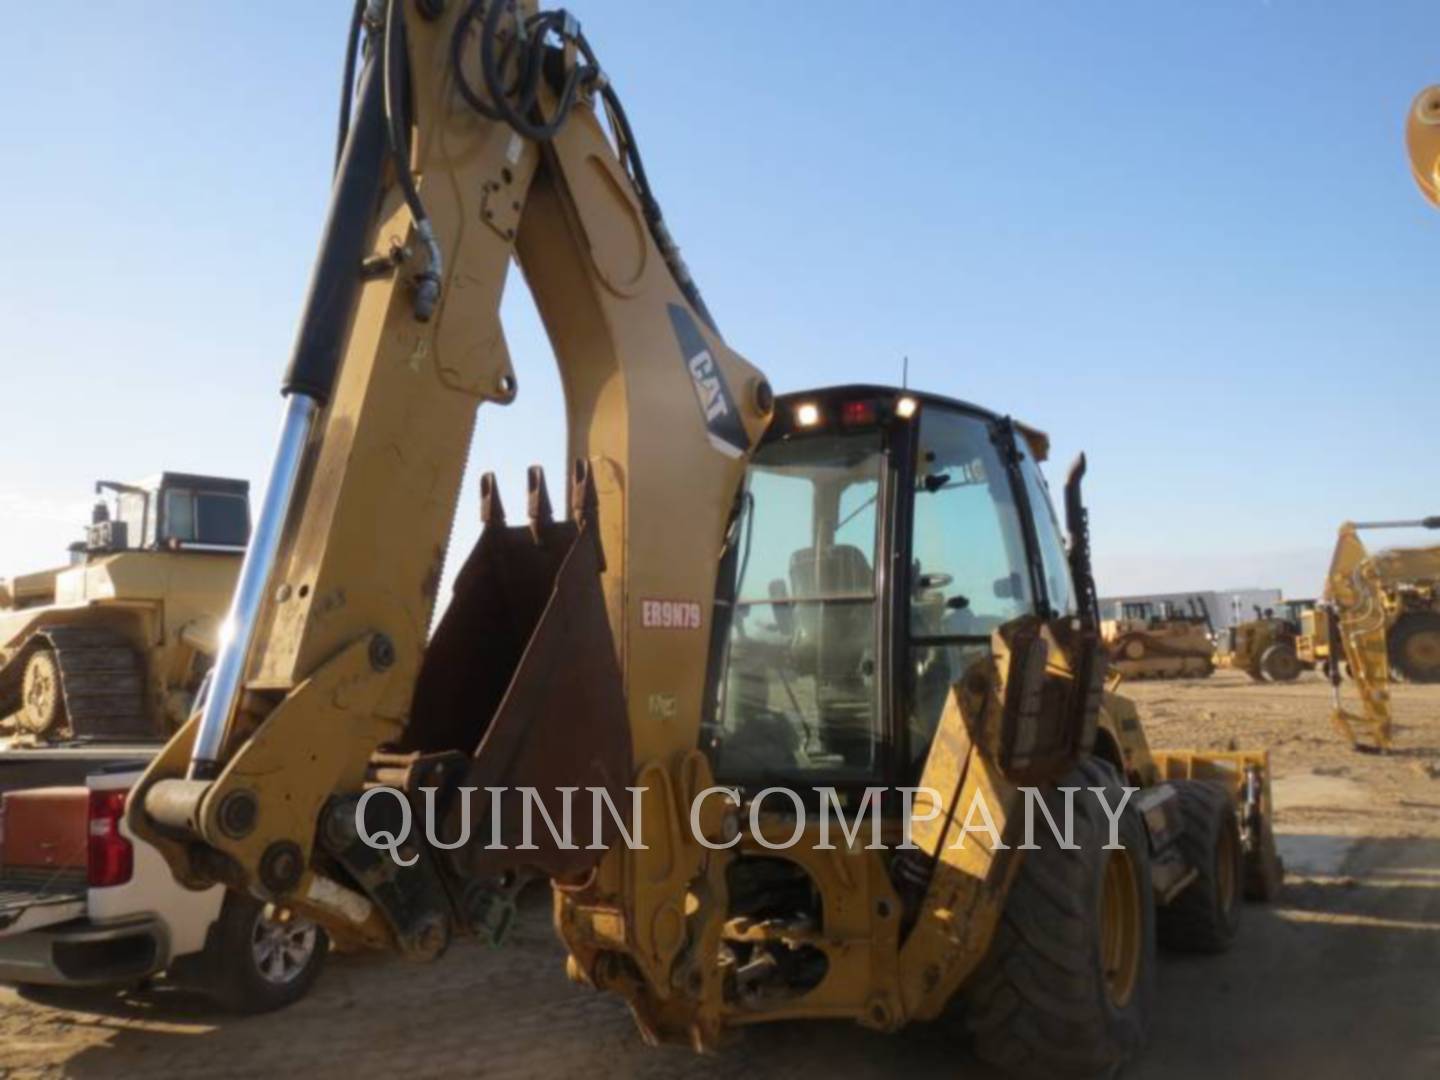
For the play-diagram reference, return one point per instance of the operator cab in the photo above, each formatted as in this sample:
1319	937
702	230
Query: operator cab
882	536
170	512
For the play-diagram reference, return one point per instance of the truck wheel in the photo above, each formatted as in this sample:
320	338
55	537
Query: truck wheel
42	710
1066	987
258	959
1415	647
1280	664
1205	917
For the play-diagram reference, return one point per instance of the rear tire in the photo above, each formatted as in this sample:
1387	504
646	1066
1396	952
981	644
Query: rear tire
256	962
1280	664
1067	985
1415	647
1205	917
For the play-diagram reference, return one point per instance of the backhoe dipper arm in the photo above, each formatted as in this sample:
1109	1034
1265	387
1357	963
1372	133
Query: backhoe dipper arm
474	140
1354	594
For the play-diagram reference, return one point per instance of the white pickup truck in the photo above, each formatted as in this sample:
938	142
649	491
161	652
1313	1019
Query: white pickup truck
84	902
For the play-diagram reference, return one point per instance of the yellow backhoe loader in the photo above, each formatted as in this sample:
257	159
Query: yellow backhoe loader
116	644
1381	613
756	608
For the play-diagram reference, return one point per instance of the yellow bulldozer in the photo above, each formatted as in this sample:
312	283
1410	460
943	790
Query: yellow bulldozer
1161	640
114	646
759	609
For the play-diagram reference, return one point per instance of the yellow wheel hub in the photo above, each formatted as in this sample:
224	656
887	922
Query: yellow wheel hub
1121	928
40	693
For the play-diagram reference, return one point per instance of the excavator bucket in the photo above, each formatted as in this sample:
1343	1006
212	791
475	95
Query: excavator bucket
522	677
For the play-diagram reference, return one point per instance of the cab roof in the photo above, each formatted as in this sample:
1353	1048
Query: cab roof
1037	440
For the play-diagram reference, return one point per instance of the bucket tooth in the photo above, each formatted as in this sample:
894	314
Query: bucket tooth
541	515
492	510
585	505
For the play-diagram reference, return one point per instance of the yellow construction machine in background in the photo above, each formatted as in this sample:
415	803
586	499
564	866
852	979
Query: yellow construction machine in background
1267	647
1161	641
1381	613
115	644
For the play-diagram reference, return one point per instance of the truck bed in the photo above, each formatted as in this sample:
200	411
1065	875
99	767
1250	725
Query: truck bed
43	857
68	764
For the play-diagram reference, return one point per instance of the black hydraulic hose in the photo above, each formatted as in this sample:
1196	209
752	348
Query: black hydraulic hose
457	47
529	84
650	207
347	81
427	281
514	105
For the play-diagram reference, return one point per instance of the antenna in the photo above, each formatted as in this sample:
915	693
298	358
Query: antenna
905	373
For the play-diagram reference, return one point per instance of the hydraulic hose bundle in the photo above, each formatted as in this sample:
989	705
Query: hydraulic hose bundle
528	46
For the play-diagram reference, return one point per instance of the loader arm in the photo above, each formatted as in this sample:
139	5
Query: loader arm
475	139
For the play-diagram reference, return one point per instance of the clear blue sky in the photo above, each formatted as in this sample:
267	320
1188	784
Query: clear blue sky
1179	235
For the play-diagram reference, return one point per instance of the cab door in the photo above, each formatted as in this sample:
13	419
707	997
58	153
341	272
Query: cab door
973	561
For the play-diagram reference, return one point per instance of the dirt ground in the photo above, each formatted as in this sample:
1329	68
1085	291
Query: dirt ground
1340	978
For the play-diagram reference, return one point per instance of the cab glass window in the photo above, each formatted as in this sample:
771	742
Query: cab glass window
1047	532
222	519
969	571
799	694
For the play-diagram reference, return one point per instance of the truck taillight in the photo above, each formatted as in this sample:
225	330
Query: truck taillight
111	856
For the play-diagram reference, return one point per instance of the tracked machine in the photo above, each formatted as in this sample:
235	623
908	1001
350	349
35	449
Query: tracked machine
1162	641
115	645
755	607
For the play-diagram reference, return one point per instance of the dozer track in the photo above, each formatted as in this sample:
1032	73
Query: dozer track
102	683
1157	659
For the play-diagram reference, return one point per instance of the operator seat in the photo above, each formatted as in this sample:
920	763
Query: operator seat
834	641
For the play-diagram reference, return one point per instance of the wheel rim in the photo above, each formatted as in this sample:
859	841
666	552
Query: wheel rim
281	947
1422	653
1121	927
41	694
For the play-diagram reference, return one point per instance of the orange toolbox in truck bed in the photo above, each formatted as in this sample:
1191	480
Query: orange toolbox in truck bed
44	856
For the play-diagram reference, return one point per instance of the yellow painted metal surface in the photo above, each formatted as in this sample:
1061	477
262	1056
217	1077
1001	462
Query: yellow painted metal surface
1422	140
168	605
